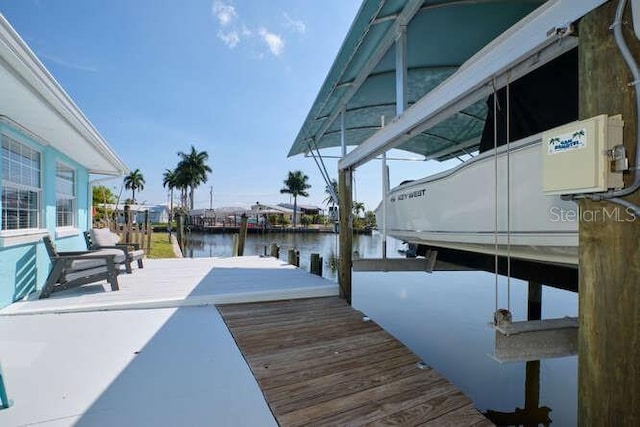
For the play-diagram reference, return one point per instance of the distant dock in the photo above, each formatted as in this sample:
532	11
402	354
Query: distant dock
223	229
222	341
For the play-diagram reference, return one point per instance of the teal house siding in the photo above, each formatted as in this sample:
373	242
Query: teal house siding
50	153
25	266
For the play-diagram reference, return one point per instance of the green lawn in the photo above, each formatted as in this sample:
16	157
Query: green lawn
161	246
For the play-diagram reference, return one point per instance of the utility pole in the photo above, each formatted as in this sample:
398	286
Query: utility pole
609	254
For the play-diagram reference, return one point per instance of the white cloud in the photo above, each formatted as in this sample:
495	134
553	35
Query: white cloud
68	64
296	26
232	31
230	38
274	41
224	12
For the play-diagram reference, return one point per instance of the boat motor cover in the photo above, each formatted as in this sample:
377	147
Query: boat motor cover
543	99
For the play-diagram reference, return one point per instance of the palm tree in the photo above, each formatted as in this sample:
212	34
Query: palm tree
329	200
296	184
357	208
134	181
192	170
169	179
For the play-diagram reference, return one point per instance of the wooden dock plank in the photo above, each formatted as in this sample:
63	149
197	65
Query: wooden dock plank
322	389
308	372
336	347
319	362
337	361
465	416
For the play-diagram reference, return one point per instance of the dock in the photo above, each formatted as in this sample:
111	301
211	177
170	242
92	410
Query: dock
219	341
320	362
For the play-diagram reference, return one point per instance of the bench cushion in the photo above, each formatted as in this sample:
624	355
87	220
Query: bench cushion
136	255
119	254
83	264
103	237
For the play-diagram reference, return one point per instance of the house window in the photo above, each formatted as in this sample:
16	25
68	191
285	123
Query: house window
65	196
21	186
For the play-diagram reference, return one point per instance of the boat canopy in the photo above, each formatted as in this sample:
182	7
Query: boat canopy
447	41
440	37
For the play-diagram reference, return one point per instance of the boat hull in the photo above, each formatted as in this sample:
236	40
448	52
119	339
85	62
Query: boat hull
461	209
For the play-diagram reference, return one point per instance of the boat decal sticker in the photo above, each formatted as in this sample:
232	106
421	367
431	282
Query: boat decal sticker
408	195
567	142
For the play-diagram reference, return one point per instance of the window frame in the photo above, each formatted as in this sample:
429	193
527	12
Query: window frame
21	187
72	227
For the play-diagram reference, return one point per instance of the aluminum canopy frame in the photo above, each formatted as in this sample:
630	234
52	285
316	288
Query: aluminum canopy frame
457	53
436	38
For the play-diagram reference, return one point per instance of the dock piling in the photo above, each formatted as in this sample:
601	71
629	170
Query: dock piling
316	264
293	257
242	235
346	232
275	250
609	298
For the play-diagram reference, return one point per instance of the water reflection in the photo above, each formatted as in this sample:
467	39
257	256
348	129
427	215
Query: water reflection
221	245
532	414
443	318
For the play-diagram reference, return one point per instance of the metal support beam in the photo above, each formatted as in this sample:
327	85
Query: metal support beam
404	17
401	71
530	44
427	264
343	130
385	193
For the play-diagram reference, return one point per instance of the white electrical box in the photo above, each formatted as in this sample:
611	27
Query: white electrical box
576	156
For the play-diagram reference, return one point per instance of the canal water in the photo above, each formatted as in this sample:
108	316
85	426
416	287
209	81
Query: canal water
441	316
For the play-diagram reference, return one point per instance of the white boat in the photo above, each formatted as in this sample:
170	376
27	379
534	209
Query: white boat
448	61
457	209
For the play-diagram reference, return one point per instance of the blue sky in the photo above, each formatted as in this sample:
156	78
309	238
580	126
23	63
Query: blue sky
234	78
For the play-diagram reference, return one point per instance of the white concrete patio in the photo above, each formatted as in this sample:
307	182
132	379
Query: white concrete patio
182	282
155	353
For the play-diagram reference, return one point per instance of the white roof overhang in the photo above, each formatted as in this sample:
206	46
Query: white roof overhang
33	100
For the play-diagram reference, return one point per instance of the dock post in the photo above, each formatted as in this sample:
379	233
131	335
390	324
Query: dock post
147	232
532	369
242	235
275	250
346	232
127	224
234	245
534	301
180	230
316	264
291	257
609	267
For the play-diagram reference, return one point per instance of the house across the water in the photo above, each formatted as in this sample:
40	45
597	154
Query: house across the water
50	150
157	213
